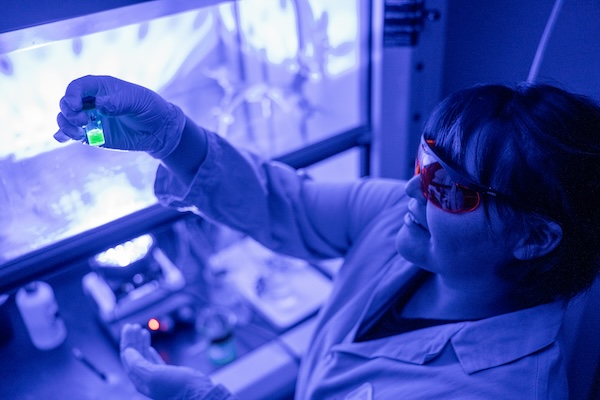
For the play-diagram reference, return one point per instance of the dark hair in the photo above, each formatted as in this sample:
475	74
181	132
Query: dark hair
540	146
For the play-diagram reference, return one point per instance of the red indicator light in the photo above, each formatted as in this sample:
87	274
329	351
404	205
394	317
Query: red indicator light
153	324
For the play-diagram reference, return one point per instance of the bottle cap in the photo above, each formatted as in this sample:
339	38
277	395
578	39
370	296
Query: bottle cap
31	287
89	102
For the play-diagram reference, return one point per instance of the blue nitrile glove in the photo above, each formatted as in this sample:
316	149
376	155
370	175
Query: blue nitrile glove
157	380
133	117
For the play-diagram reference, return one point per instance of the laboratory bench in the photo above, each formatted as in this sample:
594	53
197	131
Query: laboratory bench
87	364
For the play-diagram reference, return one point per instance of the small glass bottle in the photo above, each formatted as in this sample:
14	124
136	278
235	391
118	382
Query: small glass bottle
39	311
93	129
216	325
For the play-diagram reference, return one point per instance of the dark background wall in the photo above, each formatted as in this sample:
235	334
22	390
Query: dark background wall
495	41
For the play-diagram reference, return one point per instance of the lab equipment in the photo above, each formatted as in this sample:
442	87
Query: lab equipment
85	361
93	129
216	325
135	281
224	293
39	311
283	290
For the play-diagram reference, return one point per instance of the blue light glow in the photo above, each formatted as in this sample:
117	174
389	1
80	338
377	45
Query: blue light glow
259	72
126	253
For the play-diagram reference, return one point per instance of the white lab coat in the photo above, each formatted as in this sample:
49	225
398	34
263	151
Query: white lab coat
512	356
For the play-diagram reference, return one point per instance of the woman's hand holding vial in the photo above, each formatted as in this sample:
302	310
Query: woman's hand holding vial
131	116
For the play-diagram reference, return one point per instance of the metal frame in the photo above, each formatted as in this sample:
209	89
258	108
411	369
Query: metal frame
97	19
406	82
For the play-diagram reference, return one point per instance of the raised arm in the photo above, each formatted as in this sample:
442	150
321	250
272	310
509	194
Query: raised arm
269	201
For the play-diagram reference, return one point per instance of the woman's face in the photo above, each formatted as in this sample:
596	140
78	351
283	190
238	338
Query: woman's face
463	246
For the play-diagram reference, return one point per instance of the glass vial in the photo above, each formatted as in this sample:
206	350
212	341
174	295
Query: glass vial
216	326
93	129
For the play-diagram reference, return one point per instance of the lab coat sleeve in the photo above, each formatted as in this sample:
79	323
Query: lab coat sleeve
275	204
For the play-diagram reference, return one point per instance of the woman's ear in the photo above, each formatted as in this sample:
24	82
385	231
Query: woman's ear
542	237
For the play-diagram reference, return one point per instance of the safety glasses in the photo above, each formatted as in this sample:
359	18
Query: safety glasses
443	186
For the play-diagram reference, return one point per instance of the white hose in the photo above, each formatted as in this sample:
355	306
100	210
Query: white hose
541	49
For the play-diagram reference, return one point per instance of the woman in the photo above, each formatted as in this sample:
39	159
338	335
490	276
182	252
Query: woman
454	283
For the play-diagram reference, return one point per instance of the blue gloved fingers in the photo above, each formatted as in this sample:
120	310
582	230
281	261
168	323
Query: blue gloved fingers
151	376
67	130
138	338
139	370
133	117
70	120
88	85
114	97
164	381
73	114
131	337
153	356
125	98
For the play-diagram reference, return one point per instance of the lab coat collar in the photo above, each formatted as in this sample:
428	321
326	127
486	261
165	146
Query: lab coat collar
507	337
478	345
416	347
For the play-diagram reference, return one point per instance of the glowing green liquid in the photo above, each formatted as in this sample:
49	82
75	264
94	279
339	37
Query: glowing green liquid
95	137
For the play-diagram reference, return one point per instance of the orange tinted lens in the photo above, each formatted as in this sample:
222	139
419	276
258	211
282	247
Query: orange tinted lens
444	193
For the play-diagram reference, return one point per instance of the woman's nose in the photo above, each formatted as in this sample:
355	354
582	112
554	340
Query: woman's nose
413	189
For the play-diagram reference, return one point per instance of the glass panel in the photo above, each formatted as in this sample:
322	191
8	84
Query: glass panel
270	75
343	167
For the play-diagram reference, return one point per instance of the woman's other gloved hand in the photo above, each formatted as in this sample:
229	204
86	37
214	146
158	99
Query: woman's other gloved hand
157	380
133	117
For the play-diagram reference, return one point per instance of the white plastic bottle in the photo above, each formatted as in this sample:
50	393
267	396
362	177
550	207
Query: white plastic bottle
39	311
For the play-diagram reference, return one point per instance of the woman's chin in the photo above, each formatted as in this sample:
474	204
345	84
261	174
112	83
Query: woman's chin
412	247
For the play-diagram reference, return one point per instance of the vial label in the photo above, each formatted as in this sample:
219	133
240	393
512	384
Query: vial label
95	137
